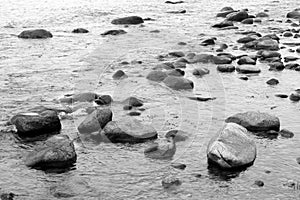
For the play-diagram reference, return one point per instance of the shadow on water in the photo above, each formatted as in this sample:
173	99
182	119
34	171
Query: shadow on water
220	174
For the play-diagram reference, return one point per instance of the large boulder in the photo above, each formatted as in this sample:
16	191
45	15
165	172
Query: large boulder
156	75
128	20
256	121
178	83
56	152
128	131
35	34
231	147
31	124
95	121
237	16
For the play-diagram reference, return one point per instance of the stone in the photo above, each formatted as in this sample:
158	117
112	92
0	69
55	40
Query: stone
177	12
291	66
104	100
286	133
259	183
290	58
118	75
276	66
176	54
287	34
166	65
227	8
270	54
128	131
80	97
255	121
226	68
200	71
156	75
224	13
282	96
175	72
209	41
31	124
128	20
223	24
35	34
80	30
178	166
170	181
174	2
293	14
246	60
262	14
180	135
114	32
95	121
134	113
246	39
7	196
133	101
179	64
272	81
178	83
247	21
247	69
237	16
298	160
202	58
267	44
257	20
295	96
221	60
56	152
245	78
231	147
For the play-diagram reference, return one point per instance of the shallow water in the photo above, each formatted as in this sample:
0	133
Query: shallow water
35	72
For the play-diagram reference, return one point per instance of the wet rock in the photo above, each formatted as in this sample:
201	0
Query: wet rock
298	50
104	100
246	60
229	28
223	24
35	34
291	66
231	147
133	101
224	13
170	181
178	166
174	2
286	133
127	107
255	121
202	58
128	131
295	96
237	16
210	41
290	58
156	75
165	65
114	32
287	34
178	83
246	39
31	124
120	74
247	69
80	30
227	8
200	71
176	53
267	44
245	78
179	64
270	54
276	66
259	183
226	68
134	113
198	98
56	152
95	121
282	96
128	20
294	14
219	60
262	14
257	20
7	196
175	72
272	81
80	97
247	21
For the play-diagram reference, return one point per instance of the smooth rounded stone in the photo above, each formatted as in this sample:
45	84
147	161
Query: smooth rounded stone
128	20
231	147
174	2
294	25
133	101
290	58
209	41
272	81
180	135
282	96
224	13
262	14
35	34
276	66
270	54
227	8
120	74
245	78
128	131
295	96
294	14
176	54
247	21
80	30
272	36
104	100
57	108
182	43
177	12
297	36
184	60
31	124
202	58
7	196
247	39
246	60
80	97
298	160
259	183
127	107
255	121
219	60
200	71
114	32
247	69
291	66
237	16
267	44
228	55
178	83
175	72
156	75
56	152
95	121
165	65
286	133
222	47
287	34
178	166
226	68
223	24
170	181
134	113
257	20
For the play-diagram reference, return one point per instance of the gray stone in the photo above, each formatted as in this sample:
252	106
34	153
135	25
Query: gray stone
35	34
200	71
156	75
247	69
226	68
237	16
178	83
80	30
128	20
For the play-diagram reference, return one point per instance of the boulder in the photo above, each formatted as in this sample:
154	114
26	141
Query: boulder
246	60
156	75
31	124
56	152
128	131
247	69
128	20
95	121
221	60
294	14
120	74
231	147
178	83
255	121
237	16
80	30
114	32
225	68
200	71
35	34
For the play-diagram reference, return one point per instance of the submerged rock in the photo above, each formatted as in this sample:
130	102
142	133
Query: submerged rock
255	121
128	20
231	147
178	83
35	34
80	30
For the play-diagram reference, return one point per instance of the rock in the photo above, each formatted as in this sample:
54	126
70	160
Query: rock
291	66
180	136
210	41
237	16
247	21
245	78
224	13
259	183
247	69
120	74
31	124
197	98
295	96
7	196
134	113
222	47
178	83
223	24
156	75
35	34
298	50
80	30
246	39
257	20
272	81
298	160
104	100
227	8
226	68
114	32
282	96
229	28
228	55
175	72
276	66
127	107
272	36
177	12
231	147
128	20
178	64
262	14
95	121
256	121
176	53
246	60
56	152
267	44
128	131
286	133
133	101
294	14
165	65
202	58
287	34
270	54
182	60
170	181
80	97
221	60
174	2
200	71
178	166
290	58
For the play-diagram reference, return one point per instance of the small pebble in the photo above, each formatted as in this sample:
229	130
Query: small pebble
259	183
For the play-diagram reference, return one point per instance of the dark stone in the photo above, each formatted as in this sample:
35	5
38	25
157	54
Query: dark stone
156	75
134	113
276	66
226	68
180	135
200	71
294	14
246	39
298	160
133	101
291	66
114	32
270	54
282	96
178	64
104	100
272	81
224	13
177	12
127	107
210	41
178	83
128	20
246	60
80	97
7	196
247	21
221	60
176	53
237	16
226	8
178	166
262	14
35	34
80	30
259	183
295	96
223	24
175	72
169	182
290	58
120	74
174	2
202	58
245	78
286	133
197	98
287	34
247	69
267	44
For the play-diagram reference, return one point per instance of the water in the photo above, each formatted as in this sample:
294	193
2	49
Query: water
36	72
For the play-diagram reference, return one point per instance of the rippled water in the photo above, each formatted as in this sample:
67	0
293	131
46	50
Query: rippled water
35	72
